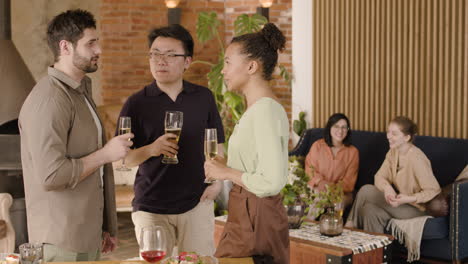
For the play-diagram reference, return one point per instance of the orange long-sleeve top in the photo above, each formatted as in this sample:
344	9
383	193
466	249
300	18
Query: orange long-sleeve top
343	167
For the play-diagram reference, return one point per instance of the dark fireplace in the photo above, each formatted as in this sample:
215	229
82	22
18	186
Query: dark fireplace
16	83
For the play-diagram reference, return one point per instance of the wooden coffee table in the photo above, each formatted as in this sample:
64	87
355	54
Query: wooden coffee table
307	247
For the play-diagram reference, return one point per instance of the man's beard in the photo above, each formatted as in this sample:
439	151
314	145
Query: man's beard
84	63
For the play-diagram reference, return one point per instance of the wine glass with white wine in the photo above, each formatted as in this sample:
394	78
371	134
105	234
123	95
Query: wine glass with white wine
210	146
173	124
125	126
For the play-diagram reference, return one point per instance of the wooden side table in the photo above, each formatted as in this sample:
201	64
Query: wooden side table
304	251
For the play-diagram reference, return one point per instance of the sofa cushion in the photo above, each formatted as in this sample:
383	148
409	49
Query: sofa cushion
447	155
373	147
436	248
436	228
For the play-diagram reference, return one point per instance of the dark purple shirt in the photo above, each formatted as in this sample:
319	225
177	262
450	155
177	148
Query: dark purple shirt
171	189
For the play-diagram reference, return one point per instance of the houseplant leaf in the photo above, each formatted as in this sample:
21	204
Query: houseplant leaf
216	81
235	103
300	125
207	26
284	73
247	24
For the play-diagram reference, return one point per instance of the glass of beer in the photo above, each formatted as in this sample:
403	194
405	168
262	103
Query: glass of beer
125	126
173	124
210	145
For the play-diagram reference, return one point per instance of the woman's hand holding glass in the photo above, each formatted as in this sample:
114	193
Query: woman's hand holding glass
216	169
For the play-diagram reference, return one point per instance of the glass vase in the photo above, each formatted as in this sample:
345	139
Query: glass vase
331	223
296	213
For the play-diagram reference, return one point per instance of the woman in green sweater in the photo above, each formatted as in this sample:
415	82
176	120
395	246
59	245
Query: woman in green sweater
258	152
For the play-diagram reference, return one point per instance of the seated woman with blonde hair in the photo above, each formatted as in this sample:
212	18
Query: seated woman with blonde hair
333	159
403	184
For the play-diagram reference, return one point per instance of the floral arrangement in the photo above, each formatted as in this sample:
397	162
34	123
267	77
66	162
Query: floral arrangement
191	258
329	198
297	189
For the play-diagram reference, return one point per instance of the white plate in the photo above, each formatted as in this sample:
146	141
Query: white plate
4	255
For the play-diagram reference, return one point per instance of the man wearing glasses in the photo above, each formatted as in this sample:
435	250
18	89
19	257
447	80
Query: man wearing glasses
173	196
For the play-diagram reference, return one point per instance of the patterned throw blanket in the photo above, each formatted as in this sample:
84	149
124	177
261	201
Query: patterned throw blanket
409	233
358	242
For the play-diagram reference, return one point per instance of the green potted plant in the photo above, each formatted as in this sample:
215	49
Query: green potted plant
332	196
300	125
299	198
329	205
297	195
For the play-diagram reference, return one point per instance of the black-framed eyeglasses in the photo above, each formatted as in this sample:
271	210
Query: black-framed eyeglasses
340	127
170	57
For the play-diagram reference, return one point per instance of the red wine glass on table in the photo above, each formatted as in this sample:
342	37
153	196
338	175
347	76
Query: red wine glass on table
153	244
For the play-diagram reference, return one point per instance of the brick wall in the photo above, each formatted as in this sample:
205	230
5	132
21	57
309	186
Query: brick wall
125	24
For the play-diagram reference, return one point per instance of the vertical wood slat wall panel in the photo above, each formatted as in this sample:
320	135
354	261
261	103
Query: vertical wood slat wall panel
374	60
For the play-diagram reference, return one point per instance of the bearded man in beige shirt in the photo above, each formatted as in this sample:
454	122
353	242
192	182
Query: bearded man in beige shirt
69	184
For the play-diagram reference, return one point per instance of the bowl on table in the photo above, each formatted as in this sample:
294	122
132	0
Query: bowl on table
9	258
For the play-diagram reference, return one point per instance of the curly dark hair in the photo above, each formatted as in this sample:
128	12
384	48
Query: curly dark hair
332	120
263	46
68	26
407	126
174	31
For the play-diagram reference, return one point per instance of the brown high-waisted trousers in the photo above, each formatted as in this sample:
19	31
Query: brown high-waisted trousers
255	226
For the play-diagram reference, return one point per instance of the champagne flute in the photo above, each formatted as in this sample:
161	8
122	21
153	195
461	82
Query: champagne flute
125	126
210	146
339	208
173	124
153	244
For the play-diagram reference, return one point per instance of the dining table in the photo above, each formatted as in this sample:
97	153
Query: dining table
221	261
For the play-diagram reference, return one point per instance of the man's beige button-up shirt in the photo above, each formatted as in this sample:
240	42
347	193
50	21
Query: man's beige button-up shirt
57	129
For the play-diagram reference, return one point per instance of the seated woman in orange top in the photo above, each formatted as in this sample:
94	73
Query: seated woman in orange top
333	157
